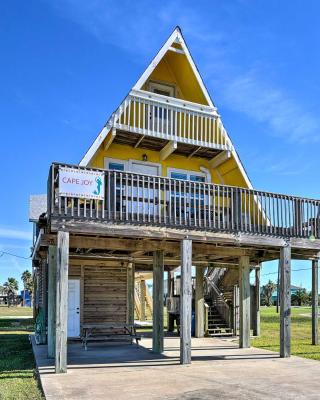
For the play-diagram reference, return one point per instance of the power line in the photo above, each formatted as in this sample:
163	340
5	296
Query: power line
2	253
293	270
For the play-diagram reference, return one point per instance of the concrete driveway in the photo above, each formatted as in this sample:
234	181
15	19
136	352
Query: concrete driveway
219	370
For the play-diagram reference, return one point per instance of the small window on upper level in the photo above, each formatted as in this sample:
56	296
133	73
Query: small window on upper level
162	88
116	166
186	175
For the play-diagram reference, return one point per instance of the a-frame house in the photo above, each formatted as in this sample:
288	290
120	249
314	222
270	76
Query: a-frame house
162	187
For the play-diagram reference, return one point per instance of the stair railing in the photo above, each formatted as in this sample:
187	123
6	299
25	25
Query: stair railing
219	302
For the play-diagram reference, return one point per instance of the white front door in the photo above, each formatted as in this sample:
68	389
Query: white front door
147	192
73	308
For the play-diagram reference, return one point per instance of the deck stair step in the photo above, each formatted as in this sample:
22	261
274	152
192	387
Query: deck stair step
217	327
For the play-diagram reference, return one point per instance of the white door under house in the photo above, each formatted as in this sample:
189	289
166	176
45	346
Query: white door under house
73	308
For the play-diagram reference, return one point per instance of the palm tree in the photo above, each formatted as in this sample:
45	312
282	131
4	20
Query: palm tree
267	292
11	287
300	298
26	278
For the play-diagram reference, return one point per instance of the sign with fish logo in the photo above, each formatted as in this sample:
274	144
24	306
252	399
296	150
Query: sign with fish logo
80	183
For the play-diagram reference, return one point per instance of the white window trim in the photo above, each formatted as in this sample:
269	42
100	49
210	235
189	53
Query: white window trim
152	164
163	87
115	160
186	171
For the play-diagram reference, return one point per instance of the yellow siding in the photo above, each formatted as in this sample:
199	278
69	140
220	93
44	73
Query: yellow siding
175	69
231	174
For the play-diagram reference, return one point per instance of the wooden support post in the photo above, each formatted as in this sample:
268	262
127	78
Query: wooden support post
52	282
235	310
256	324
244	291
158	297
62	302
143	299
199	303
185	301
285	301
130	293
315	302
170	284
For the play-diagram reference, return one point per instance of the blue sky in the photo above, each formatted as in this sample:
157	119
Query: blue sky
66	64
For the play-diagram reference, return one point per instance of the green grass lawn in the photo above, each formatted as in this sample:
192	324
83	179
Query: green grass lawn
17	367
15	311
300	334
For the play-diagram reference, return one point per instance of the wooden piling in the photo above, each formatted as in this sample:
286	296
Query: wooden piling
61	302
199	303
244	302
158	298
315	302
285	301
185	301
52	283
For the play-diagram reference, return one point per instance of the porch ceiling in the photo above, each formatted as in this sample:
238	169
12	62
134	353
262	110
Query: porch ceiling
157	144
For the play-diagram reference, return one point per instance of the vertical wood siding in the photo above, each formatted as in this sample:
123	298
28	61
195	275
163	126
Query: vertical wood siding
104	296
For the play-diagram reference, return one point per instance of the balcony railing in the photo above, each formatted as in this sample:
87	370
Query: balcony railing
153	200
168	118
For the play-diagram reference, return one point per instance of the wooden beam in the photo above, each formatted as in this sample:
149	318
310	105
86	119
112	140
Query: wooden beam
152	232
143	300
256	319
168	149
52	282
244	302
315	302
62	302
139	141
130	293
285	301
170	286
194	152
199	302
157	331
110	138
185	301
219	159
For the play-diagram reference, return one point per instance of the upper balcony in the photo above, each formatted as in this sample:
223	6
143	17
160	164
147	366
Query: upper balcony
167	124
144	200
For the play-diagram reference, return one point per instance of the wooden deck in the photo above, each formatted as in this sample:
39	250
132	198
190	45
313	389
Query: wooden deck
146	201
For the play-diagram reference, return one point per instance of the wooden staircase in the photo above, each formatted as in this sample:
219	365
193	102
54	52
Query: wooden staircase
217	326
218	301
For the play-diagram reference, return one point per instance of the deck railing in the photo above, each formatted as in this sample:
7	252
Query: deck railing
169	118
153	200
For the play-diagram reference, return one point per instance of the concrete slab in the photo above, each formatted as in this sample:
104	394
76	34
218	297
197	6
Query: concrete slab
219	370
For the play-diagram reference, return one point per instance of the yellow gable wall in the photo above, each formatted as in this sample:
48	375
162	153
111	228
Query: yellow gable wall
228	173
175	69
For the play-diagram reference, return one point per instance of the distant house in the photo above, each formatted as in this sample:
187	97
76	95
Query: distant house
294	290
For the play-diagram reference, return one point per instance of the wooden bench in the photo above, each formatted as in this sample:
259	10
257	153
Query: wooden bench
108	332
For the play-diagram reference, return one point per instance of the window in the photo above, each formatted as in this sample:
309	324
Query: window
187	175
162	88
116	166
179	175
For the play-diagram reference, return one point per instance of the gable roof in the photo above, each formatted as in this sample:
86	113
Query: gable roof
175	38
